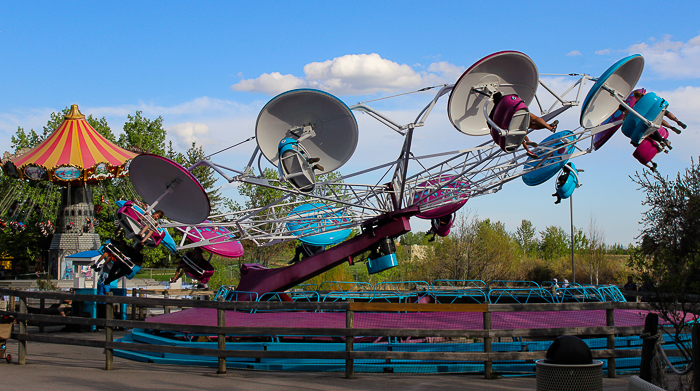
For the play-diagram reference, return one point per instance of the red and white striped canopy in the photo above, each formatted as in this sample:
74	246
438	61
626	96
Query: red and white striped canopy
75	152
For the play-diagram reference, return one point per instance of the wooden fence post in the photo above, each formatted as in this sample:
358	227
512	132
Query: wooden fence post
143	311
11	304
109	335
610	321
42	305
166	309
22	349
488	365
221	322
651	327
133	306
349	341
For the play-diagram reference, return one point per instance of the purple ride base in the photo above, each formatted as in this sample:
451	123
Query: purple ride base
411	320
259	279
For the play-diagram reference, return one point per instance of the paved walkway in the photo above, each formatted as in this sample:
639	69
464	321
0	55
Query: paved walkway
74	368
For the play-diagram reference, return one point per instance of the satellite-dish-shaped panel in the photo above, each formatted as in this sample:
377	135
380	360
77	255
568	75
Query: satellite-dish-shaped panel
152	177
332	122
601	138
508	72
621	77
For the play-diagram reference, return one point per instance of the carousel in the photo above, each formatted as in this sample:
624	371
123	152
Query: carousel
76	158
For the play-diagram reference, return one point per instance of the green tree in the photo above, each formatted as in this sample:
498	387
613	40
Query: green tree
474	250
205	175
411	238
21	139
554	243
668	256
257	197
525	236
669	251
594	258
146	134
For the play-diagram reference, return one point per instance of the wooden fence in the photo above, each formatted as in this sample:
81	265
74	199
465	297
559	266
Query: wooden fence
349	331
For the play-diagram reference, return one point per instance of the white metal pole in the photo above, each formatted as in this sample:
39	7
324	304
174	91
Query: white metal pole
573	262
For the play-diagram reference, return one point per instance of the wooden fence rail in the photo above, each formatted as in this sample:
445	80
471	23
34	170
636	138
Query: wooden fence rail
349	332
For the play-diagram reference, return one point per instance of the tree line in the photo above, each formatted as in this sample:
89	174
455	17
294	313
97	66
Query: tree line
482	249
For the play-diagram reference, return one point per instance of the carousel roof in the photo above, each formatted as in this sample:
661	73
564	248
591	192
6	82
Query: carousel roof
73	152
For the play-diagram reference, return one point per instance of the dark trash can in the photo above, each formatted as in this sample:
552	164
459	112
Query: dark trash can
569	366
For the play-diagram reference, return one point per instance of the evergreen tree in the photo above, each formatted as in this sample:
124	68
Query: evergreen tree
205	175
146	134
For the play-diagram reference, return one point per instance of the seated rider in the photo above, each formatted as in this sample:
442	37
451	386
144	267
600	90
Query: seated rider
536	123
304	251
313	160
561	180
147	229
107	256
196	256
120	269
442	221
656	136
638	94
651	165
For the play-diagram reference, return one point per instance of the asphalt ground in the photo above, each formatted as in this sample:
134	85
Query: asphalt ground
76	368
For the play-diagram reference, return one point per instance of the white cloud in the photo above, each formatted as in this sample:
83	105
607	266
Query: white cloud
202	106
353	74
574	53
671	59
602	52
270	83
187	133
448	71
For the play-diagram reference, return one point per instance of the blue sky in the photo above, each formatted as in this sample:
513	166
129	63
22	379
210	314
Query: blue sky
209	67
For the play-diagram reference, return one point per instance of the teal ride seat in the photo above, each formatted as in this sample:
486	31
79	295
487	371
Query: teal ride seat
317	217
650	106
555	160
572	182
382	263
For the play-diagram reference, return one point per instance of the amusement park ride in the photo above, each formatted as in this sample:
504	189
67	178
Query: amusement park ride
306	132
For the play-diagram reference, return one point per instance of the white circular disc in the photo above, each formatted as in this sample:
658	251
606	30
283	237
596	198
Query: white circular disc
333	122
508	72
151	175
